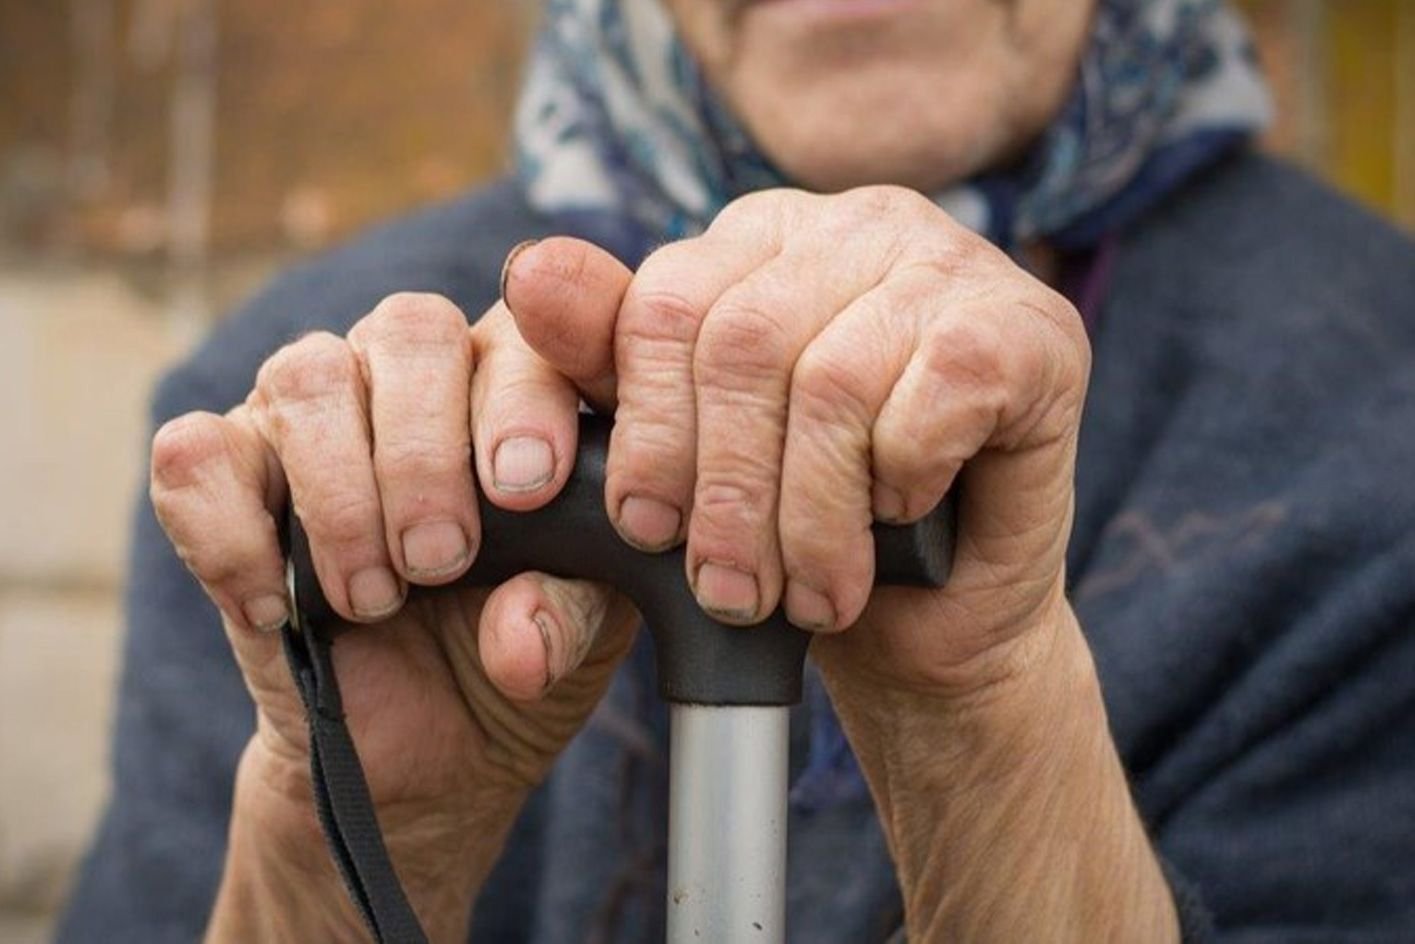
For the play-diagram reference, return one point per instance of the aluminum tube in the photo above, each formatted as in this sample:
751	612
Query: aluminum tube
727	825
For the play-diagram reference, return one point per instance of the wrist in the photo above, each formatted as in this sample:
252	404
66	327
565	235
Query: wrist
280	882
945	669
1007	713
1005	806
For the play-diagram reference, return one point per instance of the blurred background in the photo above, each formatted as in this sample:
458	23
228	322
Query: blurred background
159	158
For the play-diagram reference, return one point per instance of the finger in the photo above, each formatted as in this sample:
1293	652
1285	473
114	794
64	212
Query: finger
214	485
309	404
565	295
653	462
1005	388
535	630
524	417
746	348
838	387
947	405
416	362
653	449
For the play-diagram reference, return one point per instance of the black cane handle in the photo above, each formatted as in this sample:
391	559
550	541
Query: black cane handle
700	660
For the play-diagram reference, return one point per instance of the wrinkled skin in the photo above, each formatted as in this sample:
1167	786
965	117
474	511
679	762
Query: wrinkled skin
809	364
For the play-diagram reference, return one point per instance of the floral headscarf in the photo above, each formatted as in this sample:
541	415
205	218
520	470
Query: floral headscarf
616	121
618	134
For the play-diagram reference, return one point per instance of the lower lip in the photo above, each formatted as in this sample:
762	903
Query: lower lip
837	11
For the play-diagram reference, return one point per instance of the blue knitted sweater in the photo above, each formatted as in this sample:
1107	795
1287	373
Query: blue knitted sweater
1243	563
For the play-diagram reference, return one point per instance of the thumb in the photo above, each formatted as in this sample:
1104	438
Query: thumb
536	630
564	294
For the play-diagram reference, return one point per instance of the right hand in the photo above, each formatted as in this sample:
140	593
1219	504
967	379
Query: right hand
459	701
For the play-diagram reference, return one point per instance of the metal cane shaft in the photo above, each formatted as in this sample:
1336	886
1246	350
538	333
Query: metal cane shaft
727	824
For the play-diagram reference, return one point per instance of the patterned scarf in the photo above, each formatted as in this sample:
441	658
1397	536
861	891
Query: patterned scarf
619	138
616	126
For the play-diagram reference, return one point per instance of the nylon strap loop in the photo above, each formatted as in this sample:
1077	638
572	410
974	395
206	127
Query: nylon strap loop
341	795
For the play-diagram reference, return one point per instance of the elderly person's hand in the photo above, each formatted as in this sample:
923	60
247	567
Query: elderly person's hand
458	702
811	364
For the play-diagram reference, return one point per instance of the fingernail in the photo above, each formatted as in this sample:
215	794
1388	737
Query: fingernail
522	464
374	593
808	608
516	250
888	503
434	548
547	627
266	613
649	524
726	592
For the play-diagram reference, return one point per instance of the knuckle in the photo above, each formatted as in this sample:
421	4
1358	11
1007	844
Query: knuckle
184	446
415	318
740	338
212	563
667	257
739	491
660	314
1075	353
966	356
884	201
724	497
1058	361
514	393
751	209
663	265
952	253
413	460
654	449
315	366
500	344
343	520
827	384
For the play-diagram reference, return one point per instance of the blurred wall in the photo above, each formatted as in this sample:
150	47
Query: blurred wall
159	157
1344	75
277	125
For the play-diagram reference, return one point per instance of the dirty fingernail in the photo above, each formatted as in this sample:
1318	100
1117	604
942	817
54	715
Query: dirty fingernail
266	613
546	625
726	592
649	524
522	464
516	250
434	548
374	593
808	608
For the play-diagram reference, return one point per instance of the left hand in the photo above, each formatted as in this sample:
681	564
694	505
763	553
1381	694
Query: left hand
810	364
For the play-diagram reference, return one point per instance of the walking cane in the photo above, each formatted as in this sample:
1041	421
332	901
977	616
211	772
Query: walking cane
730	689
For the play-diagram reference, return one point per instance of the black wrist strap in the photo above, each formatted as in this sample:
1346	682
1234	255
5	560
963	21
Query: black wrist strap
341	795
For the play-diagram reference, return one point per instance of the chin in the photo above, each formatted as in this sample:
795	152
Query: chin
881	125
918	94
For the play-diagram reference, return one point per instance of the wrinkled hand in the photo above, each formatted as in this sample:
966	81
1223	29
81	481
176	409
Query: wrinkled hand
810	364
460	701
